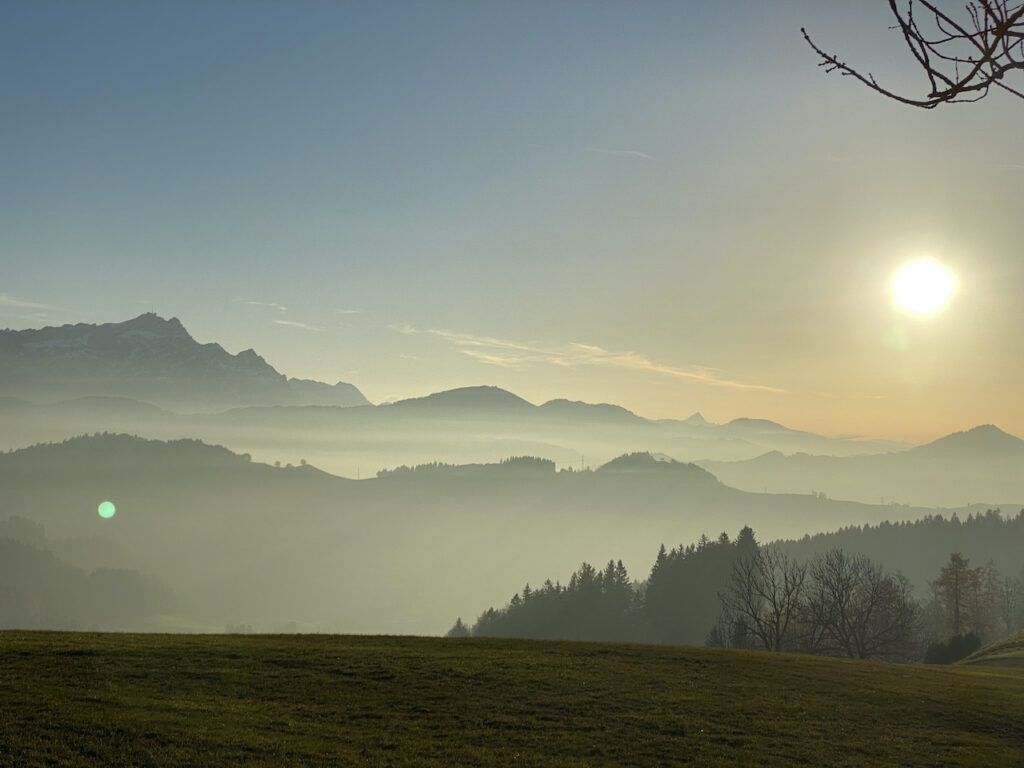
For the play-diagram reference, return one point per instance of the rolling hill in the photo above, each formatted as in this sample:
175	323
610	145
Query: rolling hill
980	465
241	542
1008	652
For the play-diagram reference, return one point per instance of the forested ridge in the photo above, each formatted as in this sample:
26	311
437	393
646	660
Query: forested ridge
842	593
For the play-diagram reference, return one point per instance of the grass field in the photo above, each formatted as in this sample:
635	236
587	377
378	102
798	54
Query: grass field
186	700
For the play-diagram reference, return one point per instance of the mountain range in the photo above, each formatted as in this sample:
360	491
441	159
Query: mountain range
154	360
466	425
148	376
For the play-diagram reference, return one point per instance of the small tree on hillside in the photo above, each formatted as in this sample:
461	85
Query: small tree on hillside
957	584
459	629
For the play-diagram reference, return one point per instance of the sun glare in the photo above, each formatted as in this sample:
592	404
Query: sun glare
922	287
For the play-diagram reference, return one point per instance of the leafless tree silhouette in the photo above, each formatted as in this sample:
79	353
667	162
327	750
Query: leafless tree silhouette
963	53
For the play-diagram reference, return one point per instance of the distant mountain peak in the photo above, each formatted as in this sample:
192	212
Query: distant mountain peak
596	411
758	425
644	461
983	440
250	357
697	420
151	321
485	397
150	359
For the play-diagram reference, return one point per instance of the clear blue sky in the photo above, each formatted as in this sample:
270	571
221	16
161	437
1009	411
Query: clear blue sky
661	204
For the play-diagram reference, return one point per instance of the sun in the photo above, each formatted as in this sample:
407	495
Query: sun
922	287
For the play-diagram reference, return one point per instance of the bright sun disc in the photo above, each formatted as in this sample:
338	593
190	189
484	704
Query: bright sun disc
922	287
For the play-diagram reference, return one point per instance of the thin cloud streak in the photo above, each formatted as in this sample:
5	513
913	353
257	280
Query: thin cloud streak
513	354
297	324
271	304
854	396
619	152
7	300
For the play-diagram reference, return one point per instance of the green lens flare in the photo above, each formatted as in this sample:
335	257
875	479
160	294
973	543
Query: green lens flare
106	510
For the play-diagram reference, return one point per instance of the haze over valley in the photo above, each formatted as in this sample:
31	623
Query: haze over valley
530	382
254	516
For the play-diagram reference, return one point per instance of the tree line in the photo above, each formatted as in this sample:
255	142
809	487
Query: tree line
741	594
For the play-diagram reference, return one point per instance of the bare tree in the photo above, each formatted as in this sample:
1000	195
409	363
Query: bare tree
764	594
963	54
859	611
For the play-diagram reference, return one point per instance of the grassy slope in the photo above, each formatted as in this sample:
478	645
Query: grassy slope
1008	652
118	700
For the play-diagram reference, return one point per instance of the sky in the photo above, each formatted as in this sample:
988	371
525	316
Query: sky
664	205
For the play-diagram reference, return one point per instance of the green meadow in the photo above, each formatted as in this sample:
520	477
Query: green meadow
70	699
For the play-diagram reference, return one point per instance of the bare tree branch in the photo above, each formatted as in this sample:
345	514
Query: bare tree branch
962	56
765	591
854	609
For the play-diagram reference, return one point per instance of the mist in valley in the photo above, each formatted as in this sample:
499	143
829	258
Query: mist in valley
458	499
366	318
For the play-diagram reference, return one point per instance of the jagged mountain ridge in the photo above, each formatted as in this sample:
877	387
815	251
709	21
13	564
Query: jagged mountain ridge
151	359
156	361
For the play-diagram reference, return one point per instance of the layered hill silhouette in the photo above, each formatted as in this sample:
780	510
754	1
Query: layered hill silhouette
245	543
465	399
148	376
484	424
96	369
151	359
465	425
983	464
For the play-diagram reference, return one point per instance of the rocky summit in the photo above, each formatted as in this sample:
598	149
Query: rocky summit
152	359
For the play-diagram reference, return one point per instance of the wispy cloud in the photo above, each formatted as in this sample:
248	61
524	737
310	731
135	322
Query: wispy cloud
619	152
515	354
271	304
297	324
349	311
847	396
6	300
